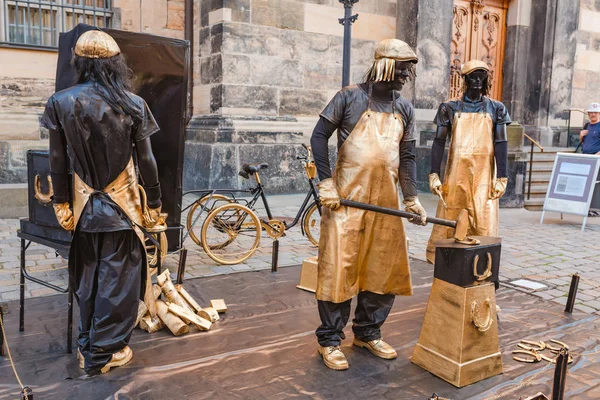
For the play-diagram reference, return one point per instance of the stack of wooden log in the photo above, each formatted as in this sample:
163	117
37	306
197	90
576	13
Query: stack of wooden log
177	309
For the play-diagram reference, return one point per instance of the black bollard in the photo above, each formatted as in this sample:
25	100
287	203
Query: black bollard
1	334
560	374
572	293
275	259
181	267
26	393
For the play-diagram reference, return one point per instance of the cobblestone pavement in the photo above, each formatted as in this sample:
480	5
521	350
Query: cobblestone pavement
547	253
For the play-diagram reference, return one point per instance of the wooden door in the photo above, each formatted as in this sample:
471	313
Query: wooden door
478	32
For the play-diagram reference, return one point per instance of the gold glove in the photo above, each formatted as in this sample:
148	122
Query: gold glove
151	217
499	188
64	215
413	205
328	195
435	185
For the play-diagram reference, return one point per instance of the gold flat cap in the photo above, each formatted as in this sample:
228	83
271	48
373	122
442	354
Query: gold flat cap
474	65
96	44
395	49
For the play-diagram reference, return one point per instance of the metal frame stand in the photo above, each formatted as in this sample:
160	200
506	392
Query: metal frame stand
25	275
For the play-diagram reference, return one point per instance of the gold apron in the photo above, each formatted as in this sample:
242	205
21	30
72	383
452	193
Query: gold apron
124	191
469	179
361	250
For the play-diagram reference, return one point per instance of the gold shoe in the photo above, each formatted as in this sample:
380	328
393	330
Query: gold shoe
118	359
333	357
378	347
81	359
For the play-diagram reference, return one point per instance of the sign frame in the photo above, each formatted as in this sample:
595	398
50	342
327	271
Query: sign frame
572	198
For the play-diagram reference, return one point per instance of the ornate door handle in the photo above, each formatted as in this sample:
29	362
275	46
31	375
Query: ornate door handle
488	271
482	323
43	198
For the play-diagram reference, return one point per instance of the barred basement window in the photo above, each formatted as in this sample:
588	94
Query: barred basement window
38	22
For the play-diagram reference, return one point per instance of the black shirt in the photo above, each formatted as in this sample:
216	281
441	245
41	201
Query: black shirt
497	110
99	144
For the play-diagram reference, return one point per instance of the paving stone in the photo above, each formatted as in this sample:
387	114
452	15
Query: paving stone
584	308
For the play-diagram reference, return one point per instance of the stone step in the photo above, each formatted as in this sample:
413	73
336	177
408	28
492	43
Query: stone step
535	203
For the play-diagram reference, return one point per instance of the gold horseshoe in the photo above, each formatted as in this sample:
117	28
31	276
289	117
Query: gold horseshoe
488	271
489	321
536	356
43	198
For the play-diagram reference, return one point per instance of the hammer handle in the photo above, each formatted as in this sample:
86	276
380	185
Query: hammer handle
397	213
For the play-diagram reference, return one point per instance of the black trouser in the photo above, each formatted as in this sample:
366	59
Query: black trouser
371	312
110	269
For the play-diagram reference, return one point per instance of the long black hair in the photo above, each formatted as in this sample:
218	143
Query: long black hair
115	77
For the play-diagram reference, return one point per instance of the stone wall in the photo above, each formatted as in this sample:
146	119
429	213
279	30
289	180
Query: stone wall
281	57
27	80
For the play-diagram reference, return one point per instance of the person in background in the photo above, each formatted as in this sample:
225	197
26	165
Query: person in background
590	136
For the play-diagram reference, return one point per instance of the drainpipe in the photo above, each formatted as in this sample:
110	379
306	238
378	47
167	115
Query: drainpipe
189	35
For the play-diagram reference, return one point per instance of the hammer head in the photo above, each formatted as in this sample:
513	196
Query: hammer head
462	226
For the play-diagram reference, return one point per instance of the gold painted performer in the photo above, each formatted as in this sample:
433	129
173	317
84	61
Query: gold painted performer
360	252
476	171
93	128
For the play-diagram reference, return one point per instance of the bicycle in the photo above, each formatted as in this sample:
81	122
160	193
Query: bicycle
231	232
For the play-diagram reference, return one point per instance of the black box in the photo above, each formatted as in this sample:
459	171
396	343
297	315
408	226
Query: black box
38	165
455	262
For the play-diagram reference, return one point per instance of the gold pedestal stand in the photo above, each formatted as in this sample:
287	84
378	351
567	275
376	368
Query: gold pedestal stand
459	337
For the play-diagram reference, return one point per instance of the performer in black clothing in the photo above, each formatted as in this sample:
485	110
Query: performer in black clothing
364	253
476	172
94	127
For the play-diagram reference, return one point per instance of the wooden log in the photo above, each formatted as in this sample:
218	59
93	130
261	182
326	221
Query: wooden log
171	294
199	322
172	321
188	298
150	324
209	313
219	305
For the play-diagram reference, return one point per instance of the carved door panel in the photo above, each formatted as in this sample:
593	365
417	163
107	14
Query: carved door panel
478	32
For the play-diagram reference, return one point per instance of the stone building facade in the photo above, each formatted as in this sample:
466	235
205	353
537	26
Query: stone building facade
263	69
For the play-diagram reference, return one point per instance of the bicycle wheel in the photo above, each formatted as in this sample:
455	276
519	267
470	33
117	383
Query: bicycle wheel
311	223
204	206
231	234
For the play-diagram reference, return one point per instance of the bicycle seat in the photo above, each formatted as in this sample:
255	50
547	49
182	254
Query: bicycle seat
251	169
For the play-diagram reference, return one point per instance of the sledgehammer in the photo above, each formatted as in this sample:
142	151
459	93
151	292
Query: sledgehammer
461	225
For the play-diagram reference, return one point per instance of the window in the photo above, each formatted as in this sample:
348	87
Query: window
38	22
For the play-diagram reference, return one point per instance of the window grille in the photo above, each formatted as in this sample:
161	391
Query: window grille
38	22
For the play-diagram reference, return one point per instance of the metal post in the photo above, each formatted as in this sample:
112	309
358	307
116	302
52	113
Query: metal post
70	321
560	374
275	258
1	335
572	293
347	22
22	289
26	393
181	267
530	171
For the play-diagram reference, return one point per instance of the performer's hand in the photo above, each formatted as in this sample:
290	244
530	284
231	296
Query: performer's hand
413	205
435	185
499	188
151	217
64	215
328	195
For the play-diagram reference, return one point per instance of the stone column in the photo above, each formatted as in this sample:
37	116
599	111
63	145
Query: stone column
433	36
516	57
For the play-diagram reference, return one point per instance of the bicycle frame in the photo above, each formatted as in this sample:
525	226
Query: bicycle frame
258	192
